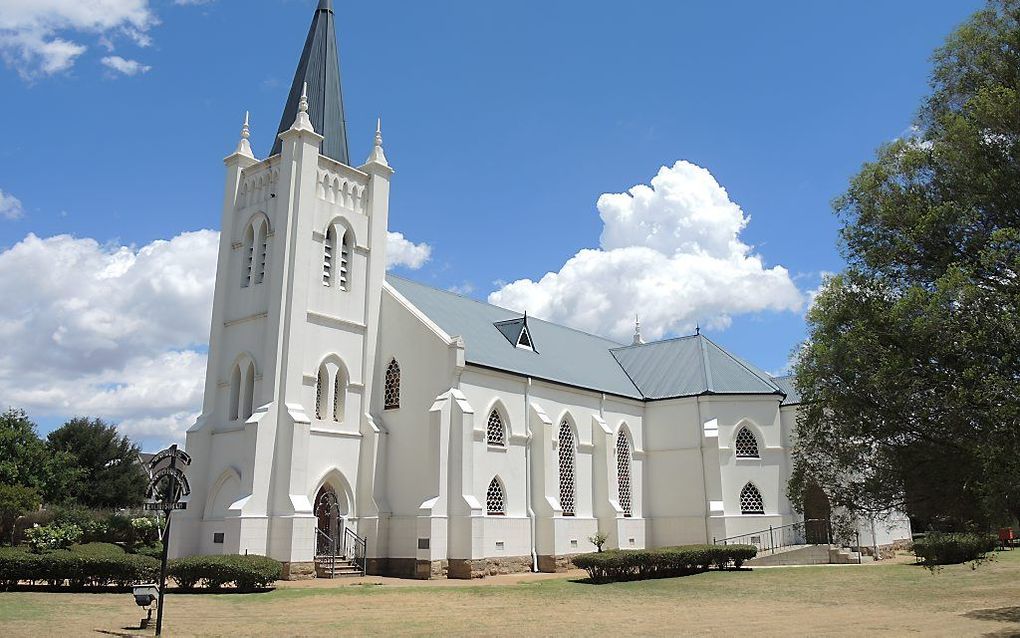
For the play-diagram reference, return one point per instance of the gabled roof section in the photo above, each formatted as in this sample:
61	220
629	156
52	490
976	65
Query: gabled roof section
517	333
564	355
690	366
319	66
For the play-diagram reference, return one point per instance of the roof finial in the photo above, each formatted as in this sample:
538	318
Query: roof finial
697	328
638	340
243	147
301	122
377	155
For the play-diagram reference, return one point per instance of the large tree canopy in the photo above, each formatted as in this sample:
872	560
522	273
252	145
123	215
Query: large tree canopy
911	371
25	461
108	464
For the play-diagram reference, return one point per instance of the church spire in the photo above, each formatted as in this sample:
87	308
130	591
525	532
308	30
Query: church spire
319	68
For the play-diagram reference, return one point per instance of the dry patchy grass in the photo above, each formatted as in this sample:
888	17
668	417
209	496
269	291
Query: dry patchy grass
815	601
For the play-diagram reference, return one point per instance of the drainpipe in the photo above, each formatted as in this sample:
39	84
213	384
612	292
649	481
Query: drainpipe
704	470
527	473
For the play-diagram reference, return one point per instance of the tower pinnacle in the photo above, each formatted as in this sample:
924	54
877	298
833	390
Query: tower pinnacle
638	339
243	147
377	155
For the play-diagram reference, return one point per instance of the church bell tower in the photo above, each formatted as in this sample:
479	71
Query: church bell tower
302	260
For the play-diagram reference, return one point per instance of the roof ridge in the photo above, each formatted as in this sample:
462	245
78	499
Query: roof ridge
706	368
492	305
652	343
768	381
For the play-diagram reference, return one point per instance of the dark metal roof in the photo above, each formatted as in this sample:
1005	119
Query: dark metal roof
319	66
788	385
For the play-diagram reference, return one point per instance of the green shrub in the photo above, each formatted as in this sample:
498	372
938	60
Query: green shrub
155	550
94	564
659	563
247	573
941	548
53	536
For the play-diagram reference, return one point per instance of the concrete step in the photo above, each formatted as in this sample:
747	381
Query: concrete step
805	555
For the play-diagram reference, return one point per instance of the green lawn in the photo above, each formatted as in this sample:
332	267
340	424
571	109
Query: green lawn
844	600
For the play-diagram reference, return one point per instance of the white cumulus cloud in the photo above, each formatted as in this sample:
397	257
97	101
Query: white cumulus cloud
670	252
127	67
10	206
43	37
403	252
118	332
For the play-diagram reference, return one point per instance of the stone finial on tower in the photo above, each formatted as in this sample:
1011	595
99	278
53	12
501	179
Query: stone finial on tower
301	122
377	155
243	147
638	340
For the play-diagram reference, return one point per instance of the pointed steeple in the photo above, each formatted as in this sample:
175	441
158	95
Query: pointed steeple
319	68
244	147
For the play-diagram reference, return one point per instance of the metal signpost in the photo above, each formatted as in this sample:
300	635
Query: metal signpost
167	484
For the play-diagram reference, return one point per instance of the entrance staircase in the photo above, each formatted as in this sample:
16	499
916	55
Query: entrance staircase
338	557
330	567
807	542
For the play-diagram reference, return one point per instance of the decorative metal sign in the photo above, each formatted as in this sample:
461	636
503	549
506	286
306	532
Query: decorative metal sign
167	485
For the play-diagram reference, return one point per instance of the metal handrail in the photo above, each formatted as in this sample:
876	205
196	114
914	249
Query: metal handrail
355	549
788	535
331	544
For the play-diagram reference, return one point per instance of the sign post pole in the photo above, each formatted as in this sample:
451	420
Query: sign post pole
168	485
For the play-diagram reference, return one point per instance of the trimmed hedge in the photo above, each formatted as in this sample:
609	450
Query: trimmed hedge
89	567
624	564
940	548
247	573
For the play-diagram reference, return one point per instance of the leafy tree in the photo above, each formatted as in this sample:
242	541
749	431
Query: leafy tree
25	461
110	473
911	372
15	501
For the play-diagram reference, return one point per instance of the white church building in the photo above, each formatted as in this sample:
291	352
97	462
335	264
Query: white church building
431	433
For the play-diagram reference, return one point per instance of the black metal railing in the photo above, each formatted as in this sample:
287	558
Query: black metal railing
326	549
354	548
810	532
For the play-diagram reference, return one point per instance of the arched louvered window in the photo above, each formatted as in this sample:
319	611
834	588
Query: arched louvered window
344	274
339	395
746	445
623	471
248	398
262	248
328	254
568	466
391	392
321	390
248	255
495	499
751	501
235	392
495	433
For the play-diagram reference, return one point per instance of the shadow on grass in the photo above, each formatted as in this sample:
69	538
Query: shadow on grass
126	589
1002	614
641	577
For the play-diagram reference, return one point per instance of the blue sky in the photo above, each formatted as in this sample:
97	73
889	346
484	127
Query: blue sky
505	123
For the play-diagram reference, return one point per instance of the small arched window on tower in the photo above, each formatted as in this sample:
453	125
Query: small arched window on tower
328	253
751	501
262	247
248	255
321	390
248	398
235	392
746	445
623	471
568	464
495	433
344	275
339	395
495	499
391	391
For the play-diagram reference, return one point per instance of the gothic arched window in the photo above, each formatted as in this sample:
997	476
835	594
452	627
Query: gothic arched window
495	499
248	398
746	445
235	392
568	465
328	252
262	246
344	275
623	471
751	501
391	392
321	390
495	433
339	395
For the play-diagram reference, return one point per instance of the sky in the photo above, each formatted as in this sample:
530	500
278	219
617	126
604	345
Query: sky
584	161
